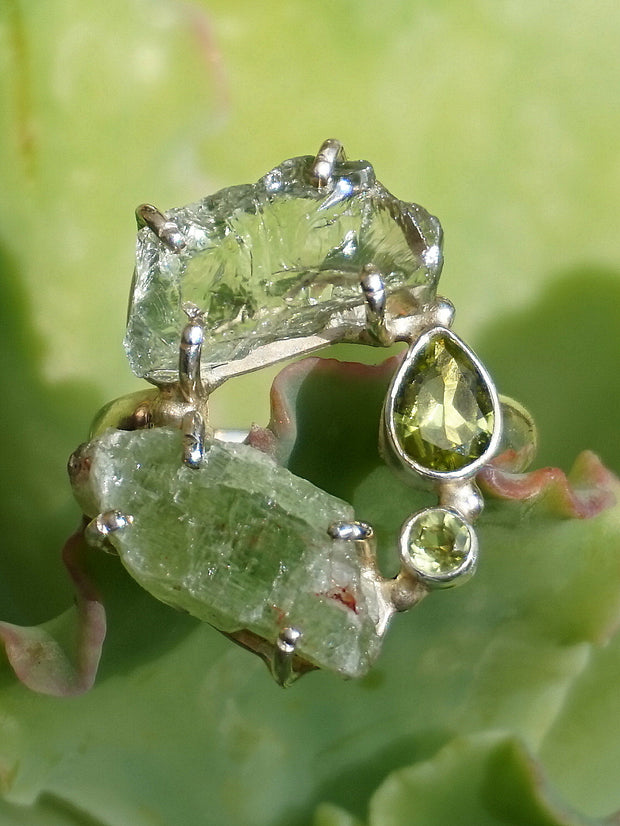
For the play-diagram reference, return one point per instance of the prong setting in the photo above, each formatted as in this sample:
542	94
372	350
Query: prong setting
98	530
283	654
165	229
356	531
329	154
193	439
190	351
375	295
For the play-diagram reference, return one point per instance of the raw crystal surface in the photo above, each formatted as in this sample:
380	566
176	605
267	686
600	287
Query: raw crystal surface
443	411
241	543
275	260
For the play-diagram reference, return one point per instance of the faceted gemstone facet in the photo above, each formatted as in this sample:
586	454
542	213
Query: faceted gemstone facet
279	259
443	409
240	543
437	543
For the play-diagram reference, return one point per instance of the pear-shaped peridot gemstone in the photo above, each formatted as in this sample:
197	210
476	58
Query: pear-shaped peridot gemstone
443	415
437	545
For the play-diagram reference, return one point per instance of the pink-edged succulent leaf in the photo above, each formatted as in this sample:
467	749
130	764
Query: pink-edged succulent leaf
585	491
61	657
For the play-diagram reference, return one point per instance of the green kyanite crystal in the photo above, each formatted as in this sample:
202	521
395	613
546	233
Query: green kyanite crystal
279	259
443	410
241	542
438	543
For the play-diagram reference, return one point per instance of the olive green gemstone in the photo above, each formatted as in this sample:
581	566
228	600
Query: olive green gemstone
443	410
438	543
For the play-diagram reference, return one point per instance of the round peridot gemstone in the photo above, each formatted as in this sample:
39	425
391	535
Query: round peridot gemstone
437	544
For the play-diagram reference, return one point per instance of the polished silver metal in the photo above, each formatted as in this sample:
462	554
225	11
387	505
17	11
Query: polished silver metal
165	229
443	312
142	416
389	440
190	381
459	575
375	295
393	328
426	317
404	591
283	654
330	152
193	428
350	530
373	286
463	496
268	354
193	393
98	530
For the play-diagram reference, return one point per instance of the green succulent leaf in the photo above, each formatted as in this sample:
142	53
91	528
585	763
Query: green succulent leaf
484	780
329	815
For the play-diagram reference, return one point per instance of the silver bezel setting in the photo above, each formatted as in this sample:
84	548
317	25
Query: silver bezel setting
388	411
436	581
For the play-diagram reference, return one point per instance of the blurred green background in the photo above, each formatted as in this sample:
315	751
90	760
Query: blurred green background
500	117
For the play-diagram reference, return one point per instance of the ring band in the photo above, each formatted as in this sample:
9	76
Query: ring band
316	252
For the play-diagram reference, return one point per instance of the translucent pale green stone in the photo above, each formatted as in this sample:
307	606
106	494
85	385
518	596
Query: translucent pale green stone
241	543
443	410
275	260
439	542
519	441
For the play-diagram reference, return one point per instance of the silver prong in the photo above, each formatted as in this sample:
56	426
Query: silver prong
375	295
329	154
141	416
193	439
373	286
283	654
189	362
350	530
166	230
98	530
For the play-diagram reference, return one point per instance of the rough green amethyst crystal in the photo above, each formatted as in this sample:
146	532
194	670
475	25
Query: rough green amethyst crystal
278	260
241	543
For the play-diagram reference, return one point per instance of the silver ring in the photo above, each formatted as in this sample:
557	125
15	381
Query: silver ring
316	252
